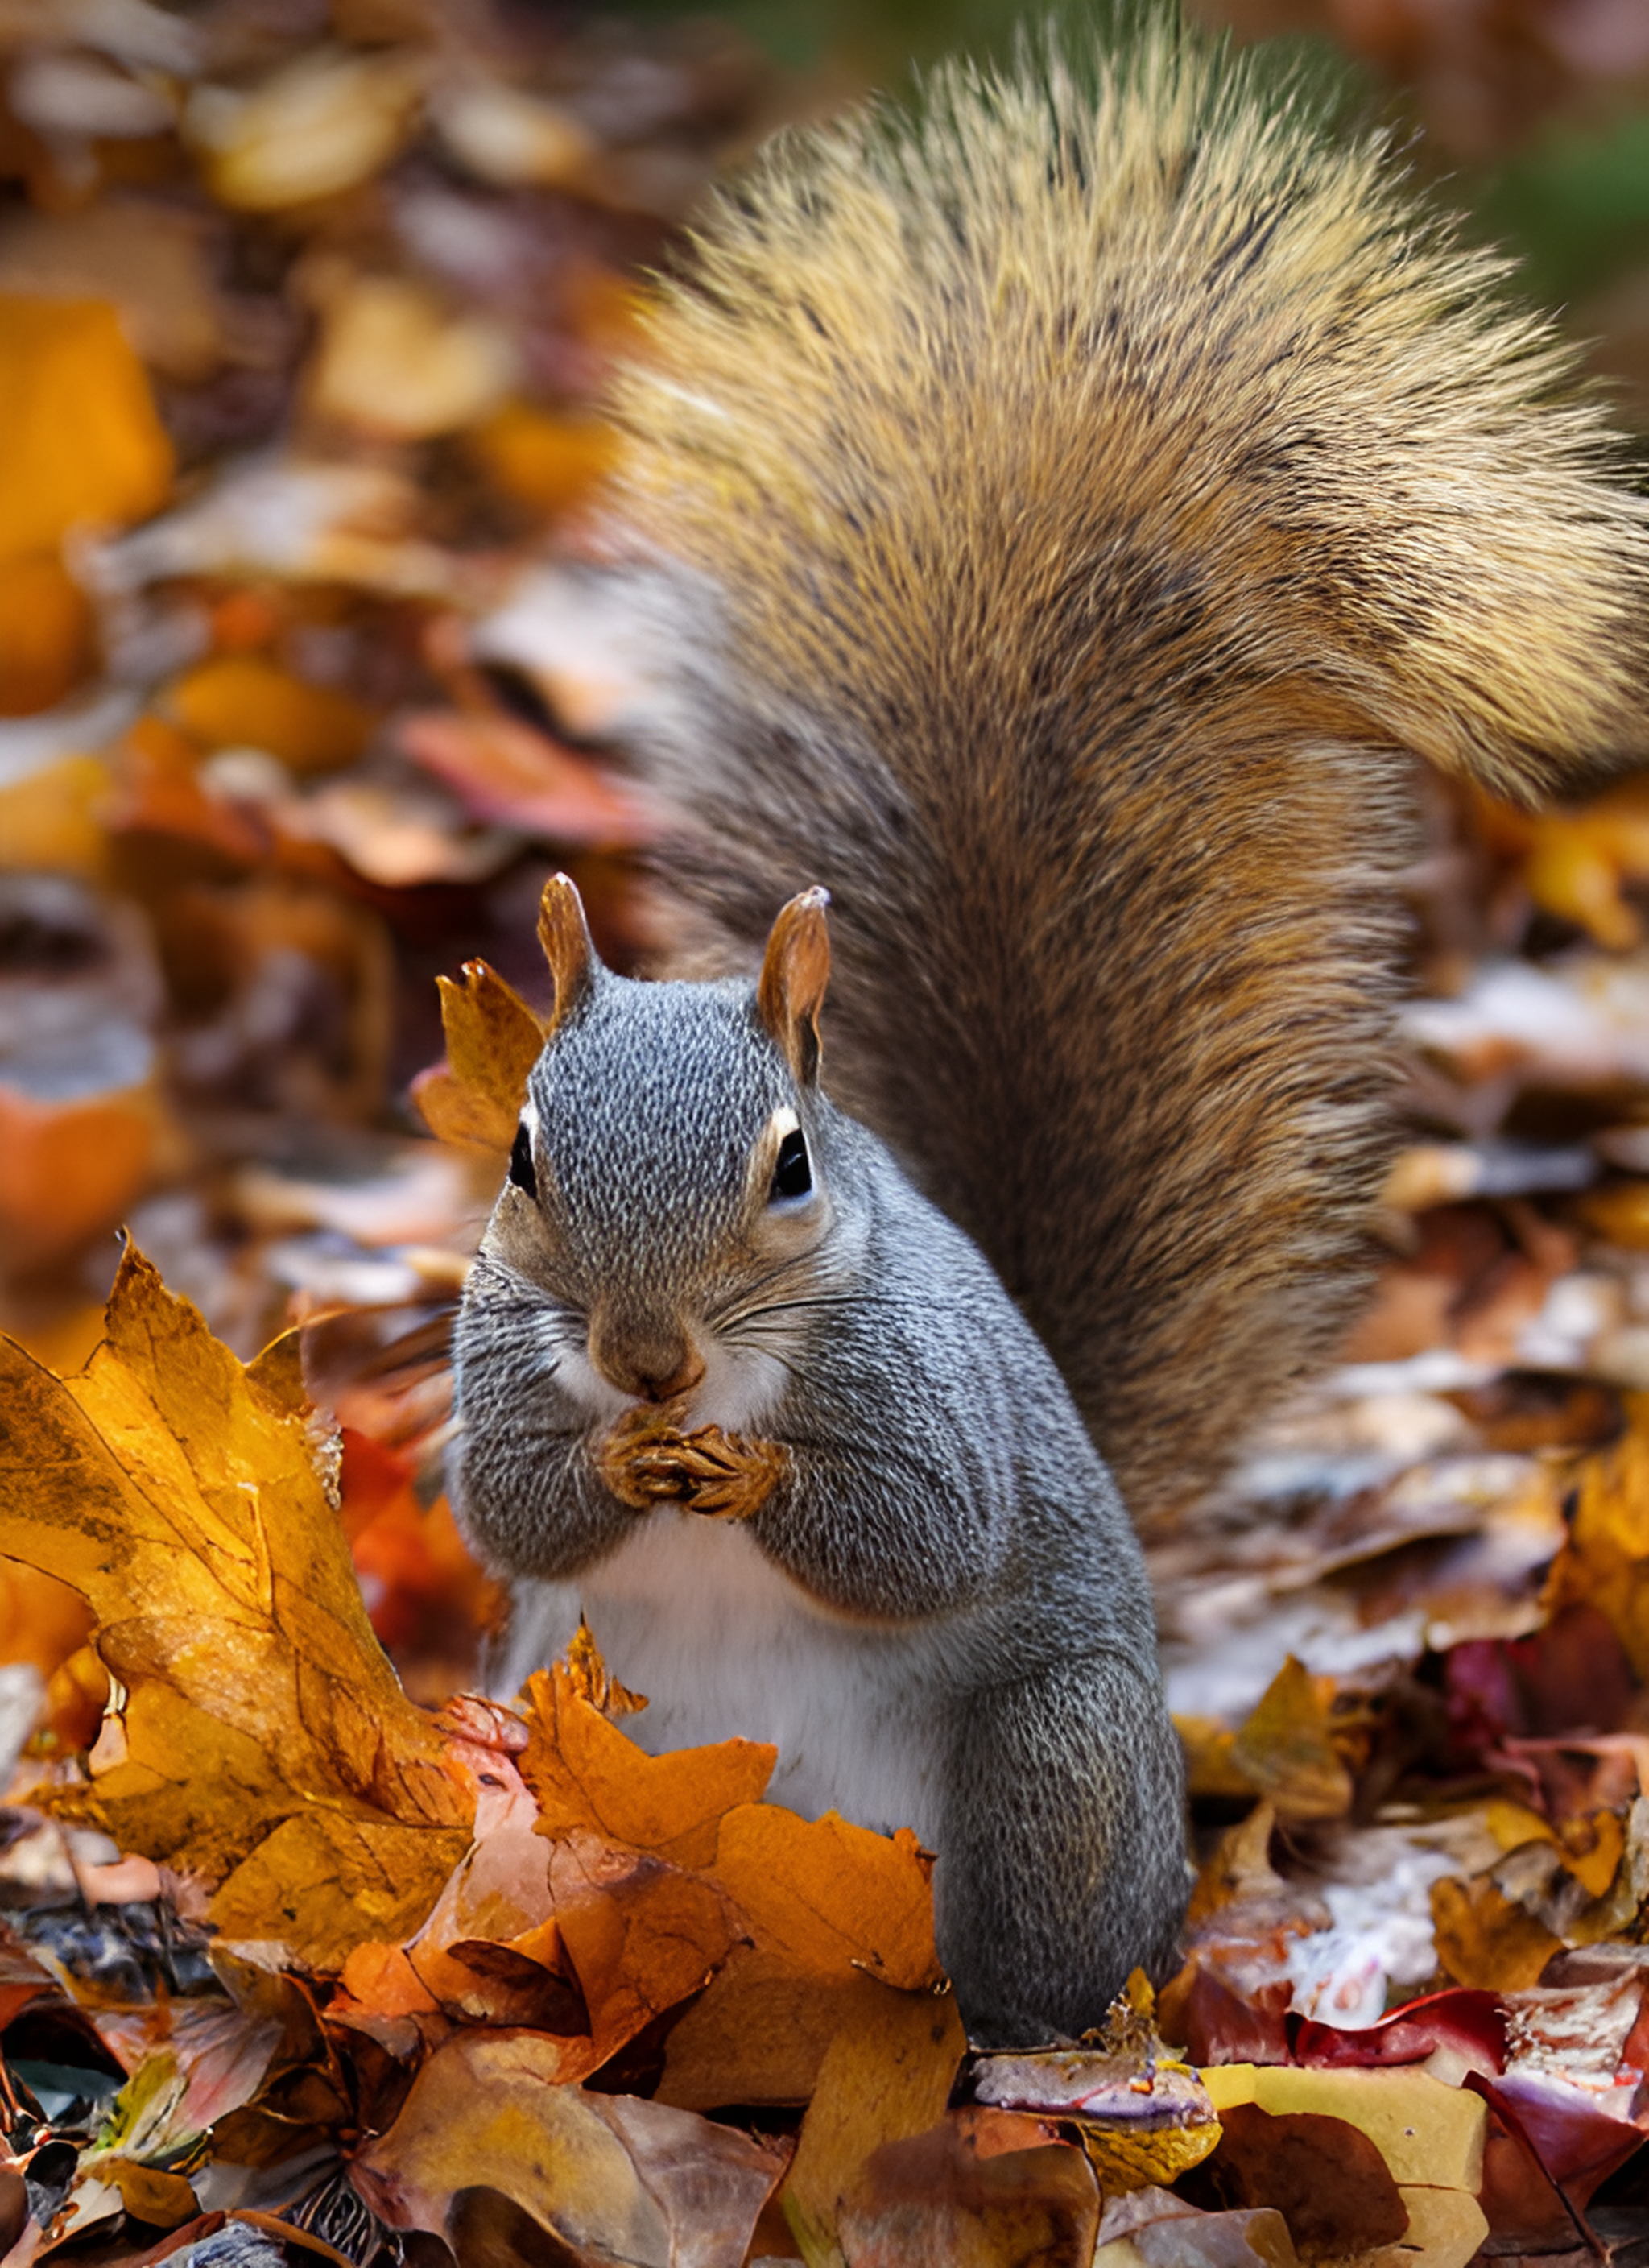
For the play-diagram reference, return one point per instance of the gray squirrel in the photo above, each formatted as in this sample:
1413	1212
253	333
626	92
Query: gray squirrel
1055	522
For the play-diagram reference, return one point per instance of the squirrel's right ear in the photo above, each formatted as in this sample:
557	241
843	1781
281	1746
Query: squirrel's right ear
795	971
564	935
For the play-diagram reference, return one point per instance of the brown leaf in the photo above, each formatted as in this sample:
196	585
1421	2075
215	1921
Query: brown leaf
493	1039
1429	2134
974	2192
641	1934
611	2176
508	773
1328	2180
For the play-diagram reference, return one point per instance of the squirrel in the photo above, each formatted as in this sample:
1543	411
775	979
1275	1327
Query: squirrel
1056	520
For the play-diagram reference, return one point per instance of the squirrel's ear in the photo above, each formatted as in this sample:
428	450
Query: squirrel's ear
564	935
795	971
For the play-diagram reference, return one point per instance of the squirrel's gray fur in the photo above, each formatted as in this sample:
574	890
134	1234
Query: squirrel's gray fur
940	1483
1059	521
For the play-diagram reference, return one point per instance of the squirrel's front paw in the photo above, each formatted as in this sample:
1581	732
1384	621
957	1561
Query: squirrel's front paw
646	1460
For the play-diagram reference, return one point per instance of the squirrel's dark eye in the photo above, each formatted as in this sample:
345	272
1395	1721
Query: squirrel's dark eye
792	1176
521	1163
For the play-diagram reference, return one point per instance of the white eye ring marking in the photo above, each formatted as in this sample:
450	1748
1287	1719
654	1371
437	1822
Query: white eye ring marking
784	1122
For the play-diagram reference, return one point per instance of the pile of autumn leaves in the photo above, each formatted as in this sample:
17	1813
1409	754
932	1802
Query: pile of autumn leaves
541	1875
487	1908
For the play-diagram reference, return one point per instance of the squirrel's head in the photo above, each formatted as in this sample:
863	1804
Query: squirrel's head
666	1185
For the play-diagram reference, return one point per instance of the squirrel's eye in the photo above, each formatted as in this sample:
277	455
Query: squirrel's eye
521	1163
792	1176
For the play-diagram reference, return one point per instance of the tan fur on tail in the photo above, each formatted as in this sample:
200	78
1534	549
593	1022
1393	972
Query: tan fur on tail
1064	516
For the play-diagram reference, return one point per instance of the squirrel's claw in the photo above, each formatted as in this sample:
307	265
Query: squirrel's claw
646	1461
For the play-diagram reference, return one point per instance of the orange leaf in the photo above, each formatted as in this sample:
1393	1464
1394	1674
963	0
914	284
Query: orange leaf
264	1742
760	2031
549	463
1483	1938
46	641
1605	1561
826	1903
53	817
493	1039
1286	1751
832	1896
585	1774
642	1935
70	1167
244	700
81	440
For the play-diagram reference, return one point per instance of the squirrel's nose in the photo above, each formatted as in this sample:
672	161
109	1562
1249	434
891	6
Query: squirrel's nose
652	1366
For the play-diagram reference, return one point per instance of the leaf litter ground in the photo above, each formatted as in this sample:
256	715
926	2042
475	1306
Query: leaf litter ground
305	1954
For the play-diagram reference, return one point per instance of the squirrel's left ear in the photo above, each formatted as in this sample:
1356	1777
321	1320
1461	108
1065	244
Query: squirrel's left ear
564	935
795	971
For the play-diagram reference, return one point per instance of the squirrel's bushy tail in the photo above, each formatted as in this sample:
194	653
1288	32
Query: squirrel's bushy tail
1066	511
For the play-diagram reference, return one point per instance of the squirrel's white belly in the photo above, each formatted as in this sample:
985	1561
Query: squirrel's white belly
689	1613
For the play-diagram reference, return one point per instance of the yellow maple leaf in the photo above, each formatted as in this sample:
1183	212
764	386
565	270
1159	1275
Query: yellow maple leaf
264	1741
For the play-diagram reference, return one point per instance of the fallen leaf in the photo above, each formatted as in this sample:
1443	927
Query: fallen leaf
885	2079
588	1775
53	817
322	124
642	1935
1326	2177
550	463
493	1039
244	700
1485	1938
1604	1562
151	260
72	1166
393	360
45	636
505	771
82	441
264	1741
606	2175
164	2200
1286	1752
1155	2229
977	2190
832	1896
1428	2133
